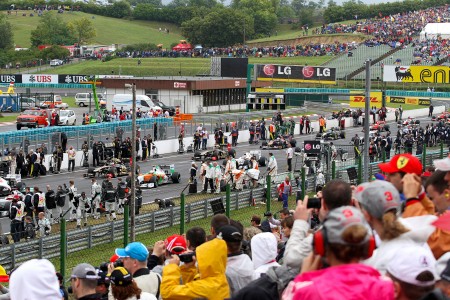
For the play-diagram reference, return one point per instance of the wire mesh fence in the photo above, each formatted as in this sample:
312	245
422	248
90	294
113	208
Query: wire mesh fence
67	246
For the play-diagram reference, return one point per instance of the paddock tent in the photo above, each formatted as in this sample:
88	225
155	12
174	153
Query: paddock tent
432	30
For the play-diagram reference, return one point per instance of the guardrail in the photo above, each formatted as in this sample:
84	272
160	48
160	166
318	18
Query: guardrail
49	247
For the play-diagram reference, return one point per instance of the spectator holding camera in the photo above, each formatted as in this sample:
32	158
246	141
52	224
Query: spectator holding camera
239	269
210	279
342	243
335	194
102	284
134	257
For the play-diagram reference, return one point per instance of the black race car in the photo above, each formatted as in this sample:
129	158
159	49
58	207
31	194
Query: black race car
334	133
214	154
114	168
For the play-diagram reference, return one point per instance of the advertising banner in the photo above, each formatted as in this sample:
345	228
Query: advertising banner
73	79
427	74
284	73
12	78
312	147
409	100
376	99
40	78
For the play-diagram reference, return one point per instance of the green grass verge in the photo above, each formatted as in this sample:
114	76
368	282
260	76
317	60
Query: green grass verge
168	66
102	253
8	117
109	30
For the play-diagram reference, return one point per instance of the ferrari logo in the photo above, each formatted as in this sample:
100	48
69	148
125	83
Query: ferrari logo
402	162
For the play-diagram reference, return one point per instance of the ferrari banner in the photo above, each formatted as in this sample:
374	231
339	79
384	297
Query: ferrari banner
376	99
428	74
408	100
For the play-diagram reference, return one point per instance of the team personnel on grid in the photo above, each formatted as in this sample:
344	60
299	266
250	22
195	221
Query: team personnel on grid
109	198
272	166
121	193
72	193
83	204
96	192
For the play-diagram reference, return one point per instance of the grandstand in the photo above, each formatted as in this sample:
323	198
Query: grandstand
346	64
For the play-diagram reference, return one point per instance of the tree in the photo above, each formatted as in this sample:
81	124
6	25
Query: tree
52	30
6	34
54	52
83	29
222	27
120	9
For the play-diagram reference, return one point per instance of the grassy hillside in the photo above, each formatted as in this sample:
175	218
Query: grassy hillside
168	66
109	30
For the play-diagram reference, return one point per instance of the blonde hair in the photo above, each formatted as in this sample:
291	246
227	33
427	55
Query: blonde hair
354	236
392	228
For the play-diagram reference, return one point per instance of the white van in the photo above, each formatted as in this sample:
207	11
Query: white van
125	101
56	62
83	99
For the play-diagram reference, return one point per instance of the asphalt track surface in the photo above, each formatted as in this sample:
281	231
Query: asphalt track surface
182	164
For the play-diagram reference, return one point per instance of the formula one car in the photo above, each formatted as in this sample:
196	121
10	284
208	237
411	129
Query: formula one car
244	162
409	121
113	167
443	116
214	154
11	183
380	126
334	133
278	143
159	175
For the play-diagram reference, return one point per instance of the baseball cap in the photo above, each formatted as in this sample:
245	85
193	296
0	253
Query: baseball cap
408	262
341	218
442	164
229	234
84	271
135	250
3	276
405	162
102	277
378	197
120	277
175	244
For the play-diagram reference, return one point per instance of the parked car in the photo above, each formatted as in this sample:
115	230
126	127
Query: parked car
33	118
83	99
56	62
67	117
56	103
164	107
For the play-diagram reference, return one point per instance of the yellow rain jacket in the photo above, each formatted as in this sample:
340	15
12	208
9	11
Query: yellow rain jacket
208	282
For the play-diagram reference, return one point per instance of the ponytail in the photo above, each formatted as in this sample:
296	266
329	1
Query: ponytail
391	226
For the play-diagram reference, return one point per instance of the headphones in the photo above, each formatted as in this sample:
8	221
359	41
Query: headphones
320	242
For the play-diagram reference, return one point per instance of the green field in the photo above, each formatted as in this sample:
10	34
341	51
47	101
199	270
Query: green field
109	30
168	66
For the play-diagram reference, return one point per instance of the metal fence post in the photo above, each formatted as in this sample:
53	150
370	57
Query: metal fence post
360	171
441	154
182	213
228	200
333	169
63	246
304	183
424	157
126	222
383	155
268	192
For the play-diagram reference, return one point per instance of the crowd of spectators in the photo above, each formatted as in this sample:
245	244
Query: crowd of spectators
383	239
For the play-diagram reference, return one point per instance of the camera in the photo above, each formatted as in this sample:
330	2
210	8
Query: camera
104	266
187	257
314	203
267	214
70	290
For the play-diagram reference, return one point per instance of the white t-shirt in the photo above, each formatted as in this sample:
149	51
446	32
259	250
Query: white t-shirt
290	152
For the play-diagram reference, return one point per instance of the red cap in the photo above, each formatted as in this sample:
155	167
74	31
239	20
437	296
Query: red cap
405	163
109	176
16	197
114	258
175	244
426	174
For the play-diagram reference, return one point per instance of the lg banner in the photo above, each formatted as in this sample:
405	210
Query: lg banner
312	147
283	73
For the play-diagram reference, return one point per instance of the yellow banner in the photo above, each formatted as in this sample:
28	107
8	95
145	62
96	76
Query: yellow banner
269	90
408	100
428	74
376	99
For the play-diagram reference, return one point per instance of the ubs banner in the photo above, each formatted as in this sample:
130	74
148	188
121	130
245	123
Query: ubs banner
44	78
408	100
283	73
428	74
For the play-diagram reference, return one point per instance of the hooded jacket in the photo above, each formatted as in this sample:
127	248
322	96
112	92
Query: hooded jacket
264	253
350	281
239	271
209	282
35	280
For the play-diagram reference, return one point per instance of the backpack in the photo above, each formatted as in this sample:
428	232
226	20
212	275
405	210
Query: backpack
269	286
